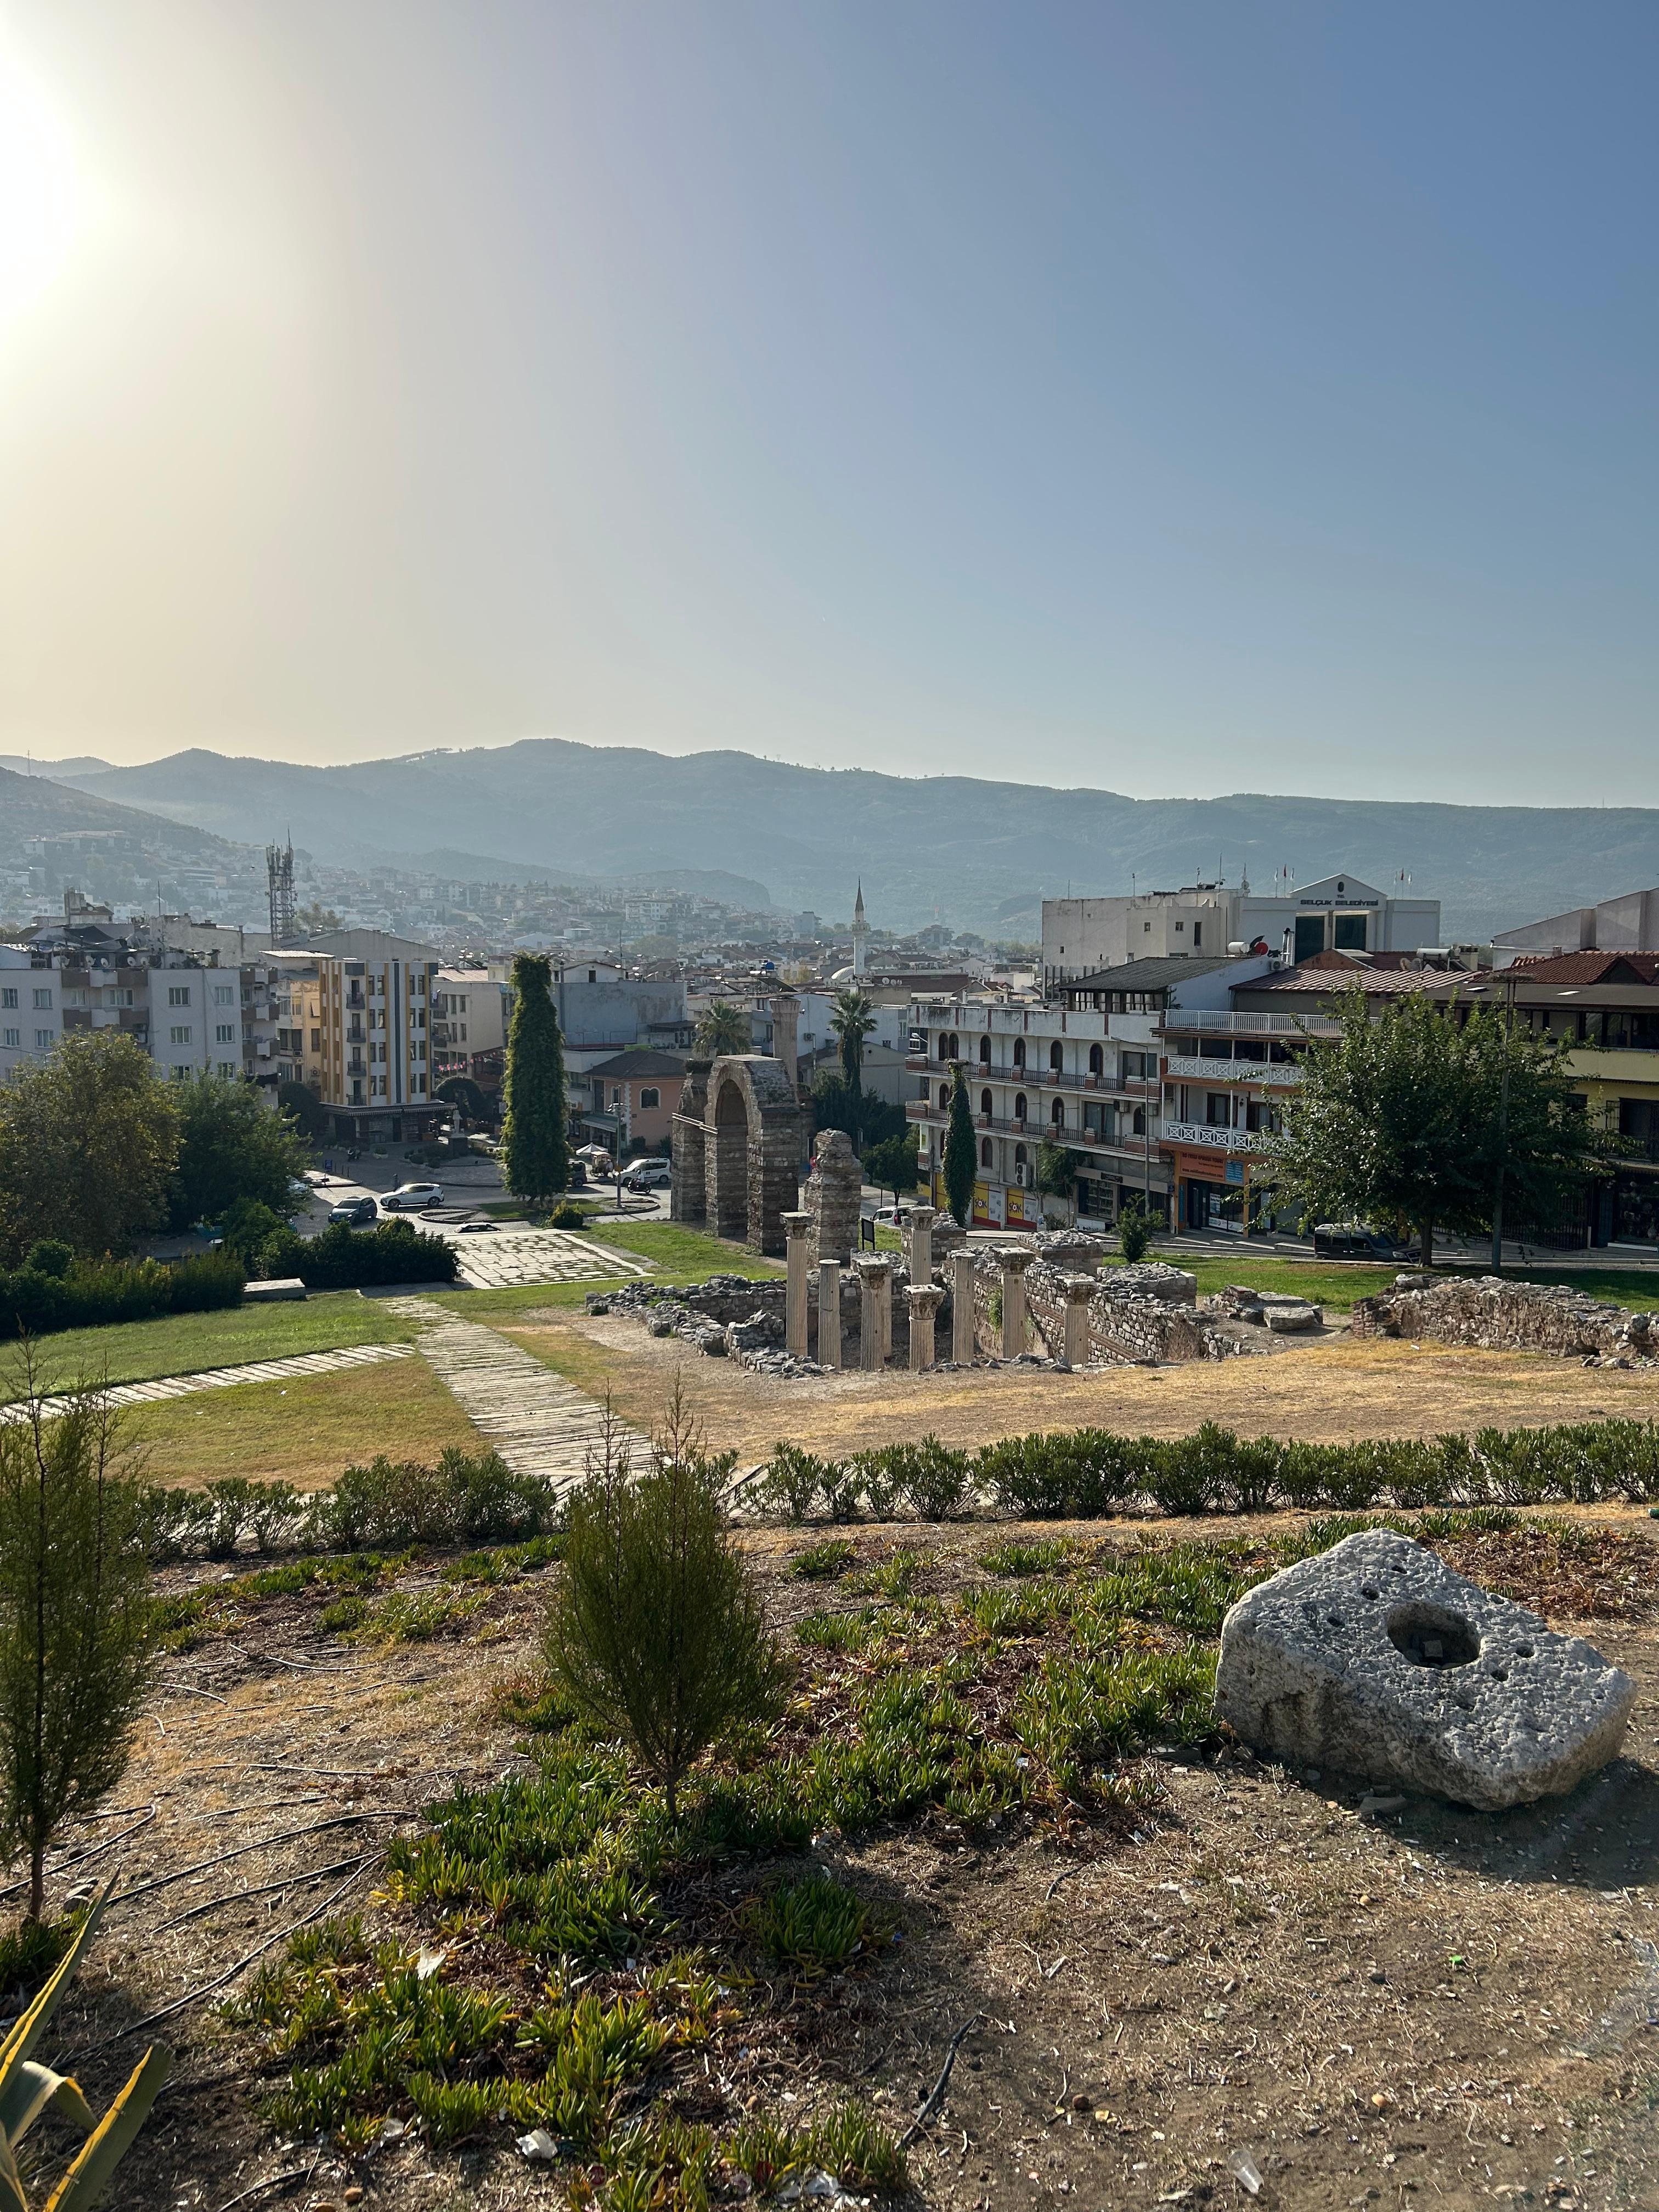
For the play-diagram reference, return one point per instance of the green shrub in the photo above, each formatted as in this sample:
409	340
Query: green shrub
343	1259
464	1498
567	1216
824	1563
1041	1558
930	1477
816	1924
91	1294
1134	1231
792	1485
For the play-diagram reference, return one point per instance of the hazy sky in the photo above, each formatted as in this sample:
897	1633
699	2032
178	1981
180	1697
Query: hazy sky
1180	397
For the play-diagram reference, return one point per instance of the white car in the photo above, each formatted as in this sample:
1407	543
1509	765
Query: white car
648	1174
412	1198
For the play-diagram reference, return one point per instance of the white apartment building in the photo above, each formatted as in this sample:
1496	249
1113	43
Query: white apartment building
1338	914
31	1010
468	1026
355	1029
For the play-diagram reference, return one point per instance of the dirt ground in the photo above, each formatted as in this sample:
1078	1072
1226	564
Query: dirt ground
1336	1391
1441	2007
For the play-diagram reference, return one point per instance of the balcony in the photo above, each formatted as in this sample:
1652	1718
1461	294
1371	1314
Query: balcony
1184	1021
1200	1137
1190	1068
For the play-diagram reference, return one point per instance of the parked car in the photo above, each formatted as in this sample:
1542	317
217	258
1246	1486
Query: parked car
354	1211
1352	1240
475	1228
648	1174
412	1198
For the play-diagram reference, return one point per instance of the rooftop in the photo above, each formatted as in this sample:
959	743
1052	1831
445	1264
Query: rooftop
639	1060
1156	973
1583	969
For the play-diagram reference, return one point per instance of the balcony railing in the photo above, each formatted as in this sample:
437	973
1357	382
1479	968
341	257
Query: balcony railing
1200	1137
1183	1021
1189	1068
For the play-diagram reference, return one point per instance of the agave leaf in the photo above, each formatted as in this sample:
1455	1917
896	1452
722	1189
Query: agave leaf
107	2145
27	2031
12	2198
27	2091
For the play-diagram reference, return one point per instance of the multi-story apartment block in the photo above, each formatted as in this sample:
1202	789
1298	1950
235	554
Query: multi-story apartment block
356	1032
468	1027
1084	1072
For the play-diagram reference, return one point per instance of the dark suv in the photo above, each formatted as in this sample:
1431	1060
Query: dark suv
355	1212
1352	1240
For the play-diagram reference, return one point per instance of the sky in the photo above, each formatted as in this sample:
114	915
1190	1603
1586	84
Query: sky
1172	398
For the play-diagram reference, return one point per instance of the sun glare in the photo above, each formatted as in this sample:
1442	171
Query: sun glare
42	197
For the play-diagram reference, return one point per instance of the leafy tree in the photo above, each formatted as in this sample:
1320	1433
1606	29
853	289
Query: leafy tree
1057	1169
724	1030
852	1021
894	1163
305	1110
960	1152
231	1146
75	1636
874	1121
657	1630
1134	1229
247	1228
535	1146
89	1140
1398	1118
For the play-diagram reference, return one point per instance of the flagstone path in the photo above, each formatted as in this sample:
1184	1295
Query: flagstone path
223	1378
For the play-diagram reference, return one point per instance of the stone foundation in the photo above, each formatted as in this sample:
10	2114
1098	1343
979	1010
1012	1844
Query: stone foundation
1493	1314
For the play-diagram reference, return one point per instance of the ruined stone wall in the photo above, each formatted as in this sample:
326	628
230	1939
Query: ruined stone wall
834	1189
1494	1315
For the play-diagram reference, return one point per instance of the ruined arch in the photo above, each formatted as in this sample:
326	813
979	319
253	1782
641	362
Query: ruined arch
737	1149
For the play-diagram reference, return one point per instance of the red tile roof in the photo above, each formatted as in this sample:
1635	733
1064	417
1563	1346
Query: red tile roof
1583	967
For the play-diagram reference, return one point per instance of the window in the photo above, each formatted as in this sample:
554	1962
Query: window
1218	1109
181	1033
1019	1052
1198	935
1146	928
1097	1060
223	995
1057	1113
227	1067
985	1151
650	1097
1180	929
943	1096
8	996
180	1074
177	994
12	1039
985	1103
985	1052
1019	1106
1348	932
1056	1056
225	1033
43	1002
316	1039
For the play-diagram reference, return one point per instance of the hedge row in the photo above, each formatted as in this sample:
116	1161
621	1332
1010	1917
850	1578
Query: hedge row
1083	1473
53	1290
385	1506
344	1259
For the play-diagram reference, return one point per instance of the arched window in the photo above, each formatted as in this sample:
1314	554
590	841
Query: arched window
1019	1106
943	1046
1140	1120
1057	1113
943	1096
1056	1056
985	1052
985	1151
1097	1060
649	1097
985	1103
1019	1052
1019	1156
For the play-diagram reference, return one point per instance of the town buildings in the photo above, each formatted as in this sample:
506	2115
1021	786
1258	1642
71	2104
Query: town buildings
468	1027
1339	912
633	1098
355	1031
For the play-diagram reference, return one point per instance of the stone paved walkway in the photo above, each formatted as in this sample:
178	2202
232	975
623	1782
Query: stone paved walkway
540	1424
221	1378
502	1259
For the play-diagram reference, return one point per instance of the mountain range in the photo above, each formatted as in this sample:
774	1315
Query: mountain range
971	853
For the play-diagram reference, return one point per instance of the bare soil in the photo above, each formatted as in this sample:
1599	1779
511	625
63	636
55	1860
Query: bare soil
1436	2006
1337	1390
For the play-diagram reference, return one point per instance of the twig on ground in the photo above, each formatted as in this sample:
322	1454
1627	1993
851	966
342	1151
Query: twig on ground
1065	1874
91	1851
189	1689
935	2095
180	2004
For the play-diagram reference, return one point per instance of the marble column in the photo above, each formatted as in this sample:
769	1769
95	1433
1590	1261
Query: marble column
964	1333
1016	1258
795	1228
875	1311
829	1313
923	1218
925	1300
1080	1289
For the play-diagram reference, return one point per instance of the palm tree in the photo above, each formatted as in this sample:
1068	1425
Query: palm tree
724	1029
852	1021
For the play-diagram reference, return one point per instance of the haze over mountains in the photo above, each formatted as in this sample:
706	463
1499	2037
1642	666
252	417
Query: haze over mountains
975	854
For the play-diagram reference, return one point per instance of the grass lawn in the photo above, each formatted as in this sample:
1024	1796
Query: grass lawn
305	1431
185	1343
1336	1285
683	1255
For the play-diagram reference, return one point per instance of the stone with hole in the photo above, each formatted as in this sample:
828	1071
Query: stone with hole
1377	1658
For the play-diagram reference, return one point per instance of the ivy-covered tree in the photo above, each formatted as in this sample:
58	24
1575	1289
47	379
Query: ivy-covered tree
535	1153
1406	1118
961	1153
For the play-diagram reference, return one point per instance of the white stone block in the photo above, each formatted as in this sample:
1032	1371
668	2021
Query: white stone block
1377	1658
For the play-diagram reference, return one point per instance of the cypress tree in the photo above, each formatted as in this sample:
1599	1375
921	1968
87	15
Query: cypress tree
961	1160
535	1148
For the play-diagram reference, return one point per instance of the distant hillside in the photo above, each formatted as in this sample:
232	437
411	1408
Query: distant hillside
35	807
25	764
944	846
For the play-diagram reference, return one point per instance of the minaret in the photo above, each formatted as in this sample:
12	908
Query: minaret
860	935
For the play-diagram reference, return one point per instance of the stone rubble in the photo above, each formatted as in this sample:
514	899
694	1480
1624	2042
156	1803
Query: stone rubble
1493	1314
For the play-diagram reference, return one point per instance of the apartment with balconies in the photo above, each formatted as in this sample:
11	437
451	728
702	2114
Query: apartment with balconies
356	1032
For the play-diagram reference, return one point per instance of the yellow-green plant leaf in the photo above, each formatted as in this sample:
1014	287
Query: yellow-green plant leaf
27	2091
30	2023
12	2198
107	2145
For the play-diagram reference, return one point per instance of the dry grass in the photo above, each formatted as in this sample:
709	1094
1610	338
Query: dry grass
304	1431
1333	1392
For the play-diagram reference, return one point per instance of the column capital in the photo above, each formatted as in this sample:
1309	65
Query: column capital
922	1217
1078	1289
796	1225
874	1265
1016	1258
924	1298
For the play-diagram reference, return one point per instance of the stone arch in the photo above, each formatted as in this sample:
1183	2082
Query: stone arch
737	1153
